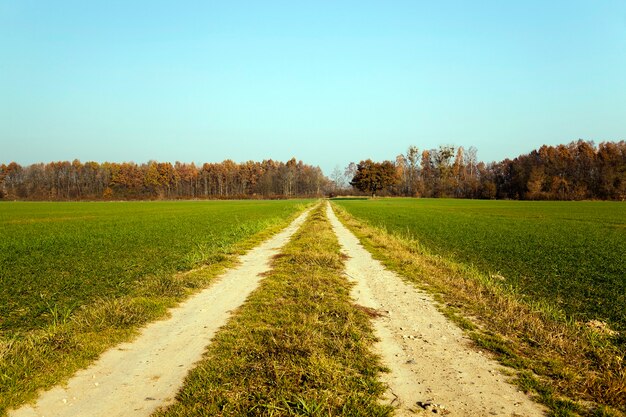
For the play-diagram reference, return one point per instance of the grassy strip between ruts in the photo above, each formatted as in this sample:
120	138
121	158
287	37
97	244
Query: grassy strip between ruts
298	346
573	369
42	358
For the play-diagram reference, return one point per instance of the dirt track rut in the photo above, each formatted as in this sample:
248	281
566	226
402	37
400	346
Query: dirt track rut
434	370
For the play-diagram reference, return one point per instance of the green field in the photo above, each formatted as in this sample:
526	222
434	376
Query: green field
569	254
55	257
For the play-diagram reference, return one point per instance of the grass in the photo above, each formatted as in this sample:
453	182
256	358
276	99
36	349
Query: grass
569	254
55	257
570	367
76	278
297	347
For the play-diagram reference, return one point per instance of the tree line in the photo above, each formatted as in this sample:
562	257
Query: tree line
160	180
576	171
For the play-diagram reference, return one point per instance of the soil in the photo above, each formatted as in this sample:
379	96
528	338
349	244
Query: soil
433	367
138	377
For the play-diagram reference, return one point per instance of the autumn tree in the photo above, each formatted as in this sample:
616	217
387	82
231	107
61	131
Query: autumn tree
426	179
372	177
412	167
3	191
403	174
442	158
457	180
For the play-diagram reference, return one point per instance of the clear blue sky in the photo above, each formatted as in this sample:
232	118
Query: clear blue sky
326	81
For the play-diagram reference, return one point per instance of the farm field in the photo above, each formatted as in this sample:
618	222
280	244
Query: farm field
569	254
299	340
55	257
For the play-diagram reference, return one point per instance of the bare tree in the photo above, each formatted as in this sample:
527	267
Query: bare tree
338	179
350	172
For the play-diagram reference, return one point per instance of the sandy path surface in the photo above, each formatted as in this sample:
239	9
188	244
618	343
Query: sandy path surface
133	379
434	370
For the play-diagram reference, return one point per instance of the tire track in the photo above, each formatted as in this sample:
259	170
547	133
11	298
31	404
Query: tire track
434	370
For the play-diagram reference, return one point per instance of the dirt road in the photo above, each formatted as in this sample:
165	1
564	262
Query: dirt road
135	378
433	367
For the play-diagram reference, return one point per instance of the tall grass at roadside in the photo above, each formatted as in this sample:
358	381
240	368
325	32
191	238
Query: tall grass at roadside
80	277
572	368
297	347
